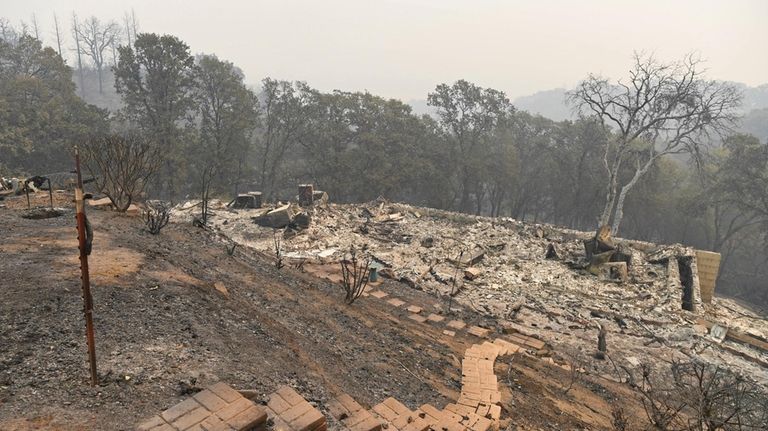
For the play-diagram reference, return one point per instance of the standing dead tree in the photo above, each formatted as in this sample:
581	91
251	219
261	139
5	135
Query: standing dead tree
663	109
122	166
94	38
354	274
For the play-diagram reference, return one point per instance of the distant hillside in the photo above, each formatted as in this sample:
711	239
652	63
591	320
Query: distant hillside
547	103
551	104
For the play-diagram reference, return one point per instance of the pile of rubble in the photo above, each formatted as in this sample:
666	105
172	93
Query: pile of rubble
558	283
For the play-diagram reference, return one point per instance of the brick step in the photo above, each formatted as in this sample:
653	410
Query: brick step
395	416
453	418
216	408
352	415
289	411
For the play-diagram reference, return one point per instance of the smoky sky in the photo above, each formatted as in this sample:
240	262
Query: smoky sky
402	49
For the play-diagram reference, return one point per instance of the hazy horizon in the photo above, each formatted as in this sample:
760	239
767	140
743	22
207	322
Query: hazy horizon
403	49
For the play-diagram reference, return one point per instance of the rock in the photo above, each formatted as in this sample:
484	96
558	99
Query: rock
219	286
472	273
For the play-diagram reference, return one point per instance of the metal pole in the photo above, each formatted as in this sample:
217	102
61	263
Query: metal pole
84	251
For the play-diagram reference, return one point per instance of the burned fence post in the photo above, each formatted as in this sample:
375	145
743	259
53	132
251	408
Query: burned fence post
85	237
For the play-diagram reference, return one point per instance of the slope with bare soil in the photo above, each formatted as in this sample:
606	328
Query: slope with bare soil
163	329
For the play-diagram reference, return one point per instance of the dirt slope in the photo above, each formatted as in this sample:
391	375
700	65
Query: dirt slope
163	328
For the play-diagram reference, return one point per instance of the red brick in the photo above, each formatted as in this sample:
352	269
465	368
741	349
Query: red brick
415	309
278	404
180	409
349	403
250	418
483	410
370	424
431	411
277	423
379	294
417	317
234	409
449	333
460	409
435	318
337	410
479	423
154	421
296	411
308	421
385	412
190	418
225	392
210	400
290	395
478	331
214	423
397	406
395	302
416	424
456	324
450	423
494	412
468	401
401	421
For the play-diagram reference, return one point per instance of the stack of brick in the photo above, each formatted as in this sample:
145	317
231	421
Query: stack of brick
346	410
395	416
217	408
289	411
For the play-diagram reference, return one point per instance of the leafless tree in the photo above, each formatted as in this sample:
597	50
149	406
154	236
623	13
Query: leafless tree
94	38
36	27
76	35
122	166
58	33
663	109
354	274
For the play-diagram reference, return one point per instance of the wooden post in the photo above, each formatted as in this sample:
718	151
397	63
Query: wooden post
85	248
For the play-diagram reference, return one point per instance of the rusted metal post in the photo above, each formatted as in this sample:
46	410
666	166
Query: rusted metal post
85	249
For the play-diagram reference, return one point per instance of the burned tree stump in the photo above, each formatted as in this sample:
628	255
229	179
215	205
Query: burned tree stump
245	201
306	195
256	199
602	345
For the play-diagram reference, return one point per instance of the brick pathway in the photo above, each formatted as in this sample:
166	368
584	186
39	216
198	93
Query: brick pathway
221	408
